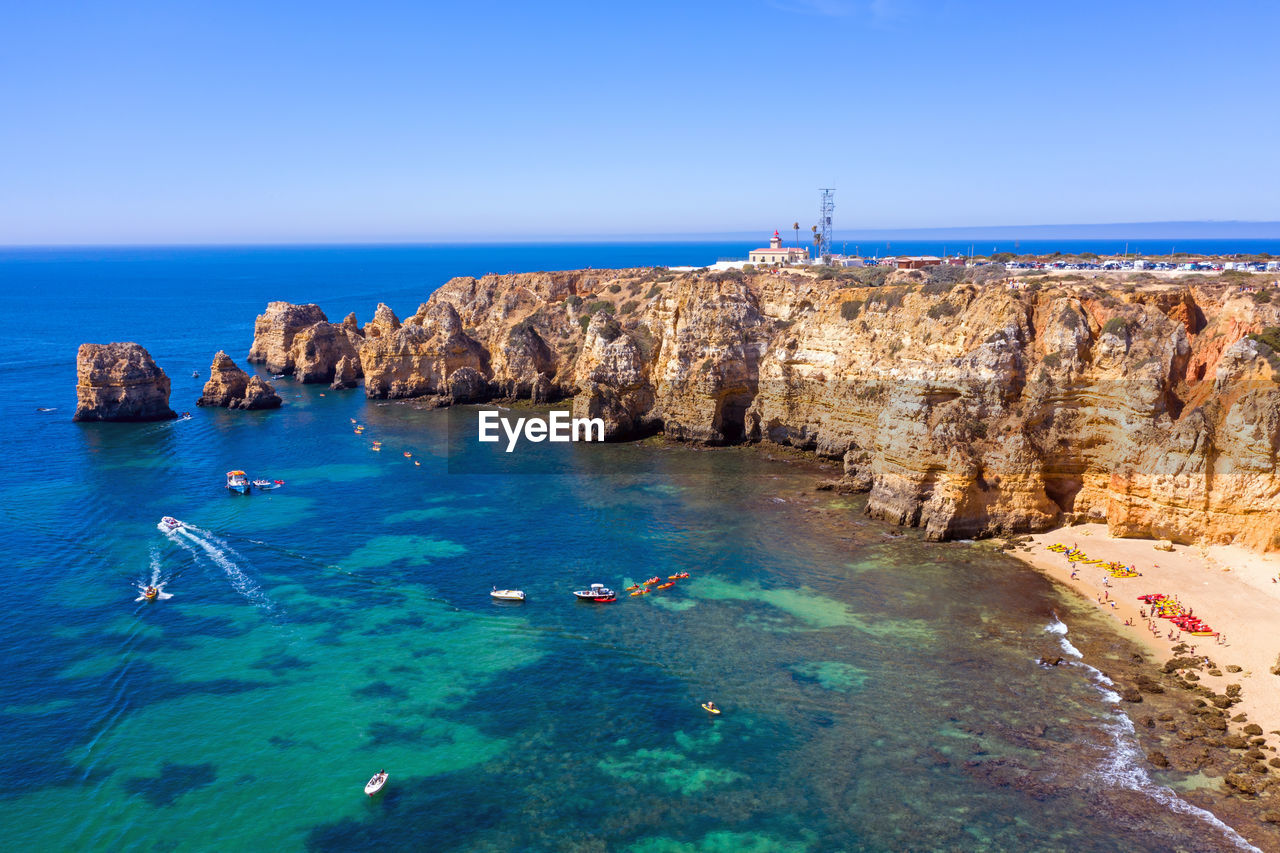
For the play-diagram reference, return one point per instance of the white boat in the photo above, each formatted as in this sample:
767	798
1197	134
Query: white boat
238	481
169	524
375	784
599	593
507	594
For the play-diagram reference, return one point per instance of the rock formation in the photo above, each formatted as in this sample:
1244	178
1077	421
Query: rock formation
299	339
120	382
232	388
967	408
417	358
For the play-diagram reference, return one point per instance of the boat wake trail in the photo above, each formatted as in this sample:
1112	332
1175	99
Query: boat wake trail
1122	764
154	580
221	554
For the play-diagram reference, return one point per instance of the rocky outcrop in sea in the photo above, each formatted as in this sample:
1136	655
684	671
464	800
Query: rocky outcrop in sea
232	388
967	408
120	382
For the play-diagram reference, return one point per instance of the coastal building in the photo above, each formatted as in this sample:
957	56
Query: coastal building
916	262
777	253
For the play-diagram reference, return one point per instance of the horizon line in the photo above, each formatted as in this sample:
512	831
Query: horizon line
1270	230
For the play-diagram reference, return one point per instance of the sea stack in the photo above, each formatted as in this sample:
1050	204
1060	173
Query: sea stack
232	388
120	382
299	339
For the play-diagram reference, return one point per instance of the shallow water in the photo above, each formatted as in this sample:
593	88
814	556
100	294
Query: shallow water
880	693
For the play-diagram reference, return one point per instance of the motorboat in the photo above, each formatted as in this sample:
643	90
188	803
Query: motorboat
238	481
374	785
169	524
507	594
267	485
599	593
151	593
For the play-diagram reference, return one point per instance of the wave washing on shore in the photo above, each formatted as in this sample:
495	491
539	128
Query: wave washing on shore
875	688
1124	764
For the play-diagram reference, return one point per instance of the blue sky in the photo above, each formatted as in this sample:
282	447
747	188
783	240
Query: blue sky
423	121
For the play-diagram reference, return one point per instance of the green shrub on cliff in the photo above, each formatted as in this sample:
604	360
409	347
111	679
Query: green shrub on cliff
584	321
653	291
1117	326
615	288
573	300
943	309
1269	337
628	307
601	305
1261	297
850	310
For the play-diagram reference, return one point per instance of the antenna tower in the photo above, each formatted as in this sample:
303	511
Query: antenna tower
824	220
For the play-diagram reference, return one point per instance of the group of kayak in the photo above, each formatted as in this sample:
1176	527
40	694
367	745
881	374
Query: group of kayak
655	582
1115	569
376	446
1169	608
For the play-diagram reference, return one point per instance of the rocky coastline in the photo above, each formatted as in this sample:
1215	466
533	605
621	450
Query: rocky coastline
966	405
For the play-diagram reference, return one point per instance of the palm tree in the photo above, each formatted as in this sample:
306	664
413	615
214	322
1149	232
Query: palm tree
796	225
817	241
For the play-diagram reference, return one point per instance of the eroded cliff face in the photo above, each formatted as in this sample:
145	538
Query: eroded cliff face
299	339
120	382
232	388
966	409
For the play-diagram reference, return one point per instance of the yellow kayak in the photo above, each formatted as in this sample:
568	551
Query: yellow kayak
706	707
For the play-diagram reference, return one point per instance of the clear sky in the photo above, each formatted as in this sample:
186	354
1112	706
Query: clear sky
419	121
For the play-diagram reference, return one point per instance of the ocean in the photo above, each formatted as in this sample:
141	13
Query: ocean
879	692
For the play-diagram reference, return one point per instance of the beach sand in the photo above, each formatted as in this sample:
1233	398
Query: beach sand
1229	588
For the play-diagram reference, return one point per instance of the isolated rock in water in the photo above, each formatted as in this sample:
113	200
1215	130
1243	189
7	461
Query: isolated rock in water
120	382
346	374
226	382
232	388
258	394
317	349
274	331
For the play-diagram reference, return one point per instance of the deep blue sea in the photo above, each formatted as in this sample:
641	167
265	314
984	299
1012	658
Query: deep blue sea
879	692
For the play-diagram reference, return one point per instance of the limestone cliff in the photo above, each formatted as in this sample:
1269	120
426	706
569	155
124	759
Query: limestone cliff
966	407
120	382
299	339
232	388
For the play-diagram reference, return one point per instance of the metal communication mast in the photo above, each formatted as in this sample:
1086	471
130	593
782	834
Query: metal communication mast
824	221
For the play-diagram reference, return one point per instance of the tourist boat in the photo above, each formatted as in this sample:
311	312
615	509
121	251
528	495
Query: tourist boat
169	524
374	785
268	485
599	593
237	481
150	593
507	594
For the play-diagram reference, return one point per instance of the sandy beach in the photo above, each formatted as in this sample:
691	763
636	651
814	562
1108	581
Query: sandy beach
1228	587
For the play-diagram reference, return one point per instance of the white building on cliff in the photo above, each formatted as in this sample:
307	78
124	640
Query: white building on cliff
777	253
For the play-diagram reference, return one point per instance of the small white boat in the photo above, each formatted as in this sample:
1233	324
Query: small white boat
267	485
599	593
375	784
507	594
169	524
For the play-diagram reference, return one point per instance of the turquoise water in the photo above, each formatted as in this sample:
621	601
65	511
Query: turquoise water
880	693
